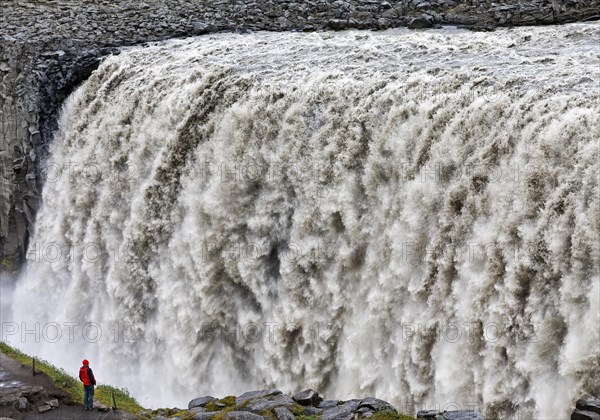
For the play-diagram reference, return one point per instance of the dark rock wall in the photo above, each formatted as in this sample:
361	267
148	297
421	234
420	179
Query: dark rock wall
48	47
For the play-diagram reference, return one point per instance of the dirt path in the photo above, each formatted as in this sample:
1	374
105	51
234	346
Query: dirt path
14	377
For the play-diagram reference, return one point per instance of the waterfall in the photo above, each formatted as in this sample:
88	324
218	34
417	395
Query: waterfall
409	215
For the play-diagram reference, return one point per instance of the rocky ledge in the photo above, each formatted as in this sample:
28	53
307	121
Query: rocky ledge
587	408
272	404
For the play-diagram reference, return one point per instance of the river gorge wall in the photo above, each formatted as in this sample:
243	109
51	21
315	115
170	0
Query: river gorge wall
48	47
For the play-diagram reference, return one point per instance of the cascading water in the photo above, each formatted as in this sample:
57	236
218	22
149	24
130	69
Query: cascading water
408	215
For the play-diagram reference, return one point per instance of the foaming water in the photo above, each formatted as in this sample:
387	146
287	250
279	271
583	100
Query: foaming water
409	215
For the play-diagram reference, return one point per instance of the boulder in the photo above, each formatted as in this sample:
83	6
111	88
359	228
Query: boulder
10	397
308	397
255	394
375	404
52	403
282	413
420	23
588	403
269	402
343	411
200	401
38	390
21	404
44	408
25	389
328	404
201	28
584	415
365	411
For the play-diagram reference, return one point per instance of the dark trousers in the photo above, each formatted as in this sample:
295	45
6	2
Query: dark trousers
88	396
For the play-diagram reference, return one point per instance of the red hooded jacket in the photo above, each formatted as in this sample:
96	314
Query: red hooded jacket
87	376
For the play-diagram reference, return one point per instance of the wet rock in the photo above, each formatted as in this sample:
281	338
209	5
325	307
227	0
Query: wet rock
588	403
282	413
255	394
308	397
200	401
25	389
375	404
9	398
328	404
261	404
344	411
364	412
44	408
201	28
53	403
584	415
420	23
337	24
21	404
312	411
242	415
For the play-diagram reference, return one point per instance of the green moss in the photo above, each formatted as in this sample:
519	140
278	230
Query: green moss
268	414
230	405
297	409
184	415
229	402
8	265
223	413
303	417
73	386
388	414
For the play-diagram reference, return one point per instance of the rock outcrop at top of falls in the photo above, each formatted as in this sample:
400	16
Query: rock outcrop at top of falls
48	47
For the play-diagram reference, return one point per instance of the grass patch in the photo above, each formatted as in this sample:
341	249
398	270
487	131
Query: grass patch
303	417
230	405
297	409
228	401
184	415
73	386
9	265
268	414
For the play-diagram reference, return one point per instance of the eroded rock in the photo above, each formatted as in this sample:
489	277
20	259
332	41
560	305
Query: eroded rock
200	401
308	397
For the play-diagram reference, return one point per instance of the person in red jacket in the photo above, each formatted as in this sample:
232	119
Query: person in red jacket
87	377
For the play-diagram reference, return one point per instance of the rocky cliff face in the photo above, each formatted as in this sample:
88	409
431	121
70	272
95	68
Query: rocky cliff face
47	47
